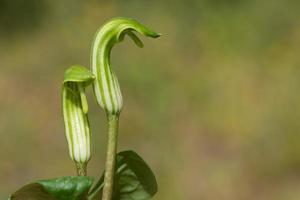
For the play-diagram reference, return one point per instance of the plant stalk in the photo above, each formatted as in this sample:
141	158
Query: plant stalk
81	169
113	124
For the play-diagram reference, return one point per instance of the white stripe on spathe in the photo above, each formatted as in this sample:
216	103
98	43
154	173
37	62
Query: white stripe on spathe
67	128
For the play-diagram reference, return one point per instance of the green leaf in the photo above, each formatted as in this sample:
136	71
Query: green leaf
34	191
65	188
79	74
134	180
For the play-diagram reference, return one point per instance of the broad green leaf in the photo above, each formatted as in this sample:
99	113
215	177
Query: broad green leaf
65	188
33	191
134	179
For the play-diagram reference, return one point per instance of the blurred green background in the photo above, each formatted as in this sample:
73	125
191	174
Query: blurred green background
213	105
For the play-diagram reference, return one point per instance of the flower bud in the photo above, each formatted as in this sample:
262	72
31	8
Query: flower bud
75	109
106	86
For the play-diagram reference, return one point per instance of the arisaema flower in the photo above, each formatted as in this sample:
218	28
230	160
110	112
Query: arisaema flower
106	86
75	110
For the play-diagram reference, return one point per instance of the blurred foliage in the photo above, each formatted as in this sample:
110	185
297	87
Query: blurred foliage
213	105
19	15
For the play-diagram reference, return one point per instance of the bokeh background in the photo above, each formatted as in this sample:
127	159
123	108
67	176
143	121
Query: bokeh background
213	105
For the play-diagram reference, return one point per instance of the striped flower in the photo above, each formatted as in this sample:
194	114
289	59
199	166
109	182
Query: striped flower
75	110
106	86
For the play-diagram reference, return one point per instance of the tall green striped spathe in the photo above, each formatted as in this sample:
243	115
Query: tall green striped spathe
75	109
106	86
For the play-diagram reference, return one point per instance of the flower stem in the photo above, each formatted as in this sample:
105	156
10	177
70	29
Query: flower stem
113	124
81	169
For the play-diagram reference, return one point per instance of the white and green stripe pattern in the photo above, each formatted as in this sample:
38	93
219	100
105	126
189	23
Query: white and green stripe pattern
75	114
106	86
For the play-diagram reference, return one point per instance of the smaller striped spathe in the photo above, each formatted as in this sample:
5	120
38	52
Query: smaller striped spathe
75	110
